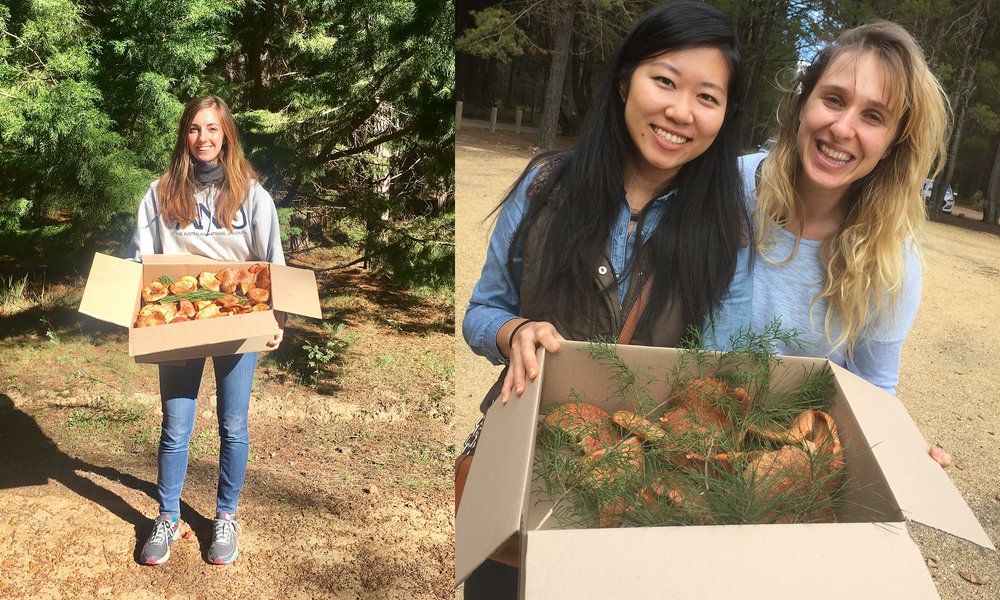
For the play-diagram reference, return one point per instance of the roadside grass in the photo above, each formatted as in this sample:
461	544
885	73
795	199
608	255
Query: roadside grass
16	294
106	417
427	456
204	443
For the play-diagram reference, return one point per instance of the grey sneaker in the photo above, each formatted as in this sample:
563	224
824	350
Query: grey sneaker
156	550
225	530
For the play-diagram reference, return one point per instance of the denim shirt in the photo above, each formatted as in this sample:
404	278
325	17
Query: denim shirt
496	296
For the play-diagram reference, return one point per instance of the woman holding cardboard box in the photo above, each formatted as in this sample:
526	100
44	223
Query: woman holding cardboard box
207	203
641	216
838	204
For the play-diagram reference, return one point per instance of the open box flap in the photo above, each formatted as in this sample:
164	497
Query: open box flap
490	512
818	561
921	487
112	285
294	290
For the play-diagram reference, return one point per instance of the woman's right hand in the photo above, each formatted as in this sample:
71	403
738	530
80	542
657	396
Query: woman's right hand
523	362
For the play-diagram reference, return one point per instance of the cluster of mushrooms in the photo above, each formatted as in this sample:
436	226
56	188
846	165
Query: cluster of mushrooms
705	451
228	291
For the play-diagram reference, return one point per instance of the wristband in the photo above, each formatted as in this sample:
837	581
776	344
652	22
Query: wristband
510	340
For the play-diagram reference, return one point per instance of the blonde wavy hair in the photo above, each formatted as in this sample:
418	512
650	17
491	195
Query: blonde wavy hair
177	185
864	264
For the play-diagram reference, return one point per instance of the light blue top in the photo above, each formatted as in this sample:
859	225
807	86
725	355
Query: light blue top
496	296
787	291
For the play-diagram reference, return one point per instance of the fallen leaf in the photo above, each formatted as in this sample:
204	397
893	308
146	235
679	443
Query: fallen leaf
187	535
960	465
971	577
932	563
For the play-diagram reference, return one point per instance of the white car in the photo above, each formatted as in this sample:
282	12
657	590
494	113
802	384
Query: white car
949	196
764	149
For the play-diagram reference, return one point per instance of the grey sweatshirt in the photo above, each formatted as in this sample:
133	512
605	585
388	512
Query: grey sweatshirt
255	234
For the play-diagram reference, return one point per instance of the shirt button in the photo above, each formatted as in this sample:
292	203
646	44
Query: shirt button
602	270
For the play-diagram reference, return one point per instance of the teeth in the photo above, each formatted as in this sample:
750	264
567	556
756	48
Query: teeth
666	135
837	156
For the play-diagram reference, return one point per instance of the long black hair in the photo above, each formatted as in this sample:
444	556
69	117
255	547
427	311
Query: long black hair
704	224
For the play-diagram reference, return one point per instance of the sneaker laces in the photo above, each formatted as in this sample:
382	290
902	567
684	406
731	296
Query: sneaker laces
223	531
162	529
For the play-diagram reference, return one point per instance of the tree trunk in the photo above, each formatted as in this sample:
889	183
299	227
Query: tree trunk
966	86
991	205
557	76
260	22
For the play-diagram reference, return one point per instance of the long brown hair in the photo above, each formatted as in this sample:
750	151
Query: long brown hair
177	185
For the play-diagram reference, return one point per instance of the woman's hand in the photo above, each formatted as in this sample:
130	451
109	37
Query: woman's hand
523	362
280	317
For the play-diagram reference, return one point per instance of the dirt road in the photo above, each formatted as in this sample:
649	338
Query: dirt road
950	379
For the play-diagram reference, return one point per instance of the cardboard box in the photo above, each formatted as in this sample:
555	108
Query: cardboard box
868	553
113	294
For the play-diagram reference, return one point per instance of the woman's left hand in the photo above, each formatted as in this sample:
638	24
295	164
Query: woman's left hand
276	341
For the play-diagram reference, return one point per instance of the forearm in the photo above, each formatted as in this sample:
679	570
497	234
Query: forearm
482	327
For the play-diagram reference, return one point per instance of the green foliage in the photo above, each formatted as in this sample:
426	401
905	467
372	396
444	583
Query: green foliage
985	117
977	201
321	353
50	331
344	104
496	34
418	253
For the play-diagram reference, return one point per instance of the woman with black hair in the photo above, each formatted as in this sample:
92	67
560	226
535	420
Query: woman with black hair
649	193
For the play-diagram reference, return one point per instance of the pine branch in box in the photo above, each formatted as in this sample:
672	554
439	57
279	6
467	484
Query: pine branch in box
199	295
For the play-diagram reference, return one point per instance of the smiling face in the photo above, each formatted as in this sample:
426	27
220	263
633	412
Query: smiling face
204	136
675	105
846	125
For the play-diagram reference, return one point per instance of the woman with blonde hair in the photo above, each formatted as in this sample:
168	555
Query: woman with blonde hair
838	205
208	203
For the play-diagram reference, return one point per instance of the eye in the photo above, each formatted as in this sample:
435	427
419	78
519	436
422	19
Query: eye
709	98
666	81
833	101
874	118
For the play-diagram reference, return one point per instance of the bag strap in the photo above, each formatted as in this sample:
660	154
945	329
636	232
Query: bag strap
635	313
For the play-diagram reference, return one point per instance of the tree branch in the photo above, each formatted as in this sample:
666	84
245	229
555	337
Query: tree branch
341	266
369	145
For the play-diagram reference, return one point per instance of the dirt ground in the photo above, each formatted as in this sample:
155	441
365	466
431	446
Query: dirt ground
948	382
349	489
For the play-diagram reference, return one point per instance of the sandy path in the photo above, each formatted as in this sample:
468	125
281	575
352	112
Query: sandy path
949	379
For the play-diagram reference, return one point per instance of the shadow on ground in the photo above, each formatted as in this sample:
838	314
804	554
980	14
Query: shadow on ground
31	458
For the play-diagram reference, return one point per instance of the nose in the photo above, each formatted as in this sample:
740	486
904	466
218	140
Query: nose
843	126
679	109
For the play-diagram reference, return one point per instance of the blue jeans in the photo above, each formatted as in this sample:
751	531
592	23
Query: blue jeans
178	396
